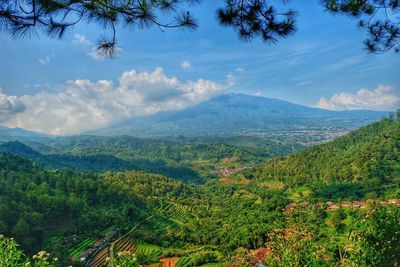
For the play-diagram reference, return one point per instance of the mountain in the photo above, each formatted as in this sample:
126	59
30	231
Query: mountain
20	149
239	114
5	131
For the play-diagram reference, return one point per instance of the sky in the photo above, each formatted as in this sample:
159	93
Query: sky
60	87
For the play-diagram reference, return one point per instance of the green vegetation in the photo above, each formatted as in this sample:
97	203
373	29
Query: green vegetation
350	167
197	259
11	255
335	204
80	247
189	160
148	251
37	204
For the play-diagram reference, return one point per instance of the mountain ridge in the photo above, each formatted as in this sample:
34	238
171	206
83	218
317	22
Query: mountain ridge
18	132
238	114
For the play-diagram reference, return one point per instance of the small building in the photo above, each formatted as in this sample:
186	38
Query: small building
358	204
290	206
346	204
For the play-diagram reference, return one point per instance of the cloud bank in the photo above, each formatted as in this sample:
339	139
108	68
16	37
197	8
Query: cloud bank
84	105
383	98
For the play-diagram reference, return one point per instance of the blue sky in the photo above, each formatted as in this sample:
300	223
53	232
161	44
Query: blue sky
325	58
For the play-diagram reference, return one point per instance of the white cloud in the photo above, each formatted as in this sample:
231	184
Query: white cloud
186	65
44	61
9	106
383	97
81	39
84	105
240	70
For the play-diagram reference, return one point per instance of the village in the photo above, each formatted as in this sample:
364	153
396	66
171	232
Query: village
226	172
86	255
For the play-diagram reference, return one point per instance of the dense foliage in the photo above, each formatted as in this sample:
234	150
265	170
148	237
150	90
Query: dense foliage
189	160
231	216
365	160
36	202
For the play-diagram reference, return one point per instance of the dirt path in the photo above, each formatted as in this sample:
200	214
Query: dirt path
169	262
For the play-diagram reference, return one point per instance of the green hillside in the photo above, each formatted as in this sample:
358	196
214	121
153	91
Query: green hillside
368	158
40	207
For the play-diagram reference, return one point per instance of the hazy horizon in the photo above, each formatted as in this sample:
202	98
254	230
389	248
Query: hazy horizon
49	83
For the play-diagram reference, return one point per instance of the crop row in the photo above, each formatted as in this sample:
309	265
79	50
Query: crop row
80	247
125	244
183	262
176	213
100	258
147	249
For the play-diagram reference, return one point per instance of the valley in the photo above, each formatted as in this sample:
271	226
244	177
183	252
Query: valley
240	202
193	133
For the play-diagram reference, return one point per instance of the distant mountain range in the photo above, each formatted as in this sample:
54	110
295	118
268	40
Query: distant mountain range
239	114
18	132
230	115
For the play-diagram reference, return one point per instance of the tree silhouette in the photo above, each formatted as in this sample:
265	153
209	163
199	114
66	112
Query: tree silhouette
253	18
268	20
22	18
380	18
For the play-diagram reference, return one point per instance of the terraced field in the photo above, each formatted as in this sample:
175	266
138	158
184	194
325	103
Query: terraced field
184	262
99	259
125	244
80	247
153	229
177	212
149	229
193	260
147	249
